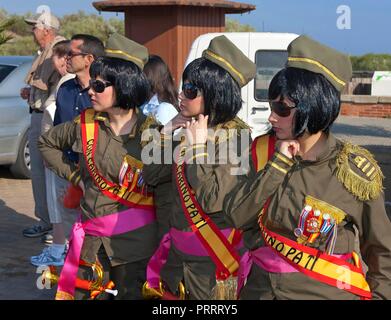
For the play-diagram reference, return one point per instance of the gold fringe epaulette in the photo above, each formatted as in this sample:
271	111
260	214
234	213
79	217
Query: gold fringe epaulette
230	127
149	123
359	172
77	119
100	116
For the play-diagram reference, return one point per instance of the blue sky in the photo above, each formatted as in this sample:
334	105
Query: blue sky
369	29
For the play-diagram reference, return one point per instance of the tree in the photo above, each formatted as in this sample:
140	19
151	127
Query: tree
5	35
235	26
371	62
90	24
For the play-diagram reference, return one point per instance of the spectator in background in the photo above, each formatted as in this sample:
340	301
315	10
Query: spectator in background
72	97
42	79
61	218
163	101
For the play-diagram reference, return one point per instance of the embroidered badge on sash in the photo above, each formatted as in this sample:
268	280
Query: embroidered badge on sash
318	219
130	174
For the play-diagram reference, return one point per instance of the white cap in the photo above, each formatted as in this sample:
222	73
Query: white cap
46	20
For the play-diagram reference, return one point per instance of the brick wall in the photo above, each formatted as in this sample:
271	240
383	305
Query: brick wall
366	106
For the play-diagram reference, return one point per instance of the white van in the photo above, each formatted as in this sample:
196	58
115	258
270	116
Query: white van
269	52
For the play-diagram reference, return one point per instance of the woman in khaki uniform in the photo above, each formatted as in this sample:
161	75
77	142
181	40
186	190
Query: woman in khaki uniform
118	223
200	237
305	210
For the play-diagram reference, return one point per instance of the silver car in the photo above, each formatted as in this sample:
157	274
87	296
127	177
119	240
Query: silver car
14	115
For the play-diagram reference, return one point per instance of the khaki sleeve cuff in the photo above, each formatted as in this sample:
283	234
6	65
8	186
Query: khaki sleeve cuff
281	163
75	177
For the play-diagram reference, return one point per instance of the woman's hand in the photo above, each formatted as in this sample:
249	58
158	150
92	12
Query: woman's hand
288	148
197	130
179	121
25	93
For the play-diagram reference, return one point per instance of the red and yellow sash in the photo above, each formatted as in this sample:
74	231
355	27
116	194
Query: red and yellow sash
126	194
220	249
262	150
310	261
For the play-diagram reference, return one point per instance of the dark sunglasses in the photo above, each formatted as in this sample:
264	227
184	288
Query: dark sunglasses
280	108
190	91
99	86
74	54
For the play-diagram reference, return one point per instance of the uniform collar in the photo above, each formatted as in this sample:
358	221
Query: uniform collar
103	117
326	153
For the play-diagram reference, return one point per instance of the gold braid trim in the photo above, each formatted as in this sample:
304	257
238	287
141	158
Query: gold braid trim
149	122
62	295
364	189
77	119
337	214
235	123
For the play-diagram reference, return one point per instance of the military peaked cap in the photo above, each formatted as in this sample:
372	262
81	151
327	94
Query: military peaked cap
225	54
306	53
121	47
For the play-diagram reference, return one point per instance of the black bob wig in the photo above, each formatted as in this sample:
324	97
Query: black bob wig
222	98
130	84
317	100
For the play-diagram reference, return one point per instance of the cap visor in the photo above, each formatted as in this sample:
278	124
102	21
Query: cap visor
30	21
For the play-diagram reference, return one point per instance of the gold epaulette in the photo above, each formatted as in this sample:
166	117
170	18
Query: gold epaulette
359	172
230	127
149	123
77	119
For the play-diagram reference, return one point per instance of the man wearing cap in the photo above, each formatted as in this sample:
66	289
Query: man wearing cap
42	80
311	196
201	239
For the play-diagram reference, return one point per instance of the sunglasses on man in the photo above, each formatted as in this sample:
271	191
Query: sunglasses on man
71	54
190	91
99	86
280	108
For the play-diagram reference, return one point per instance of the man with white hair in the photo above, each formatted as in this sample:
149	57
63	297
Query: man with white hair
42	80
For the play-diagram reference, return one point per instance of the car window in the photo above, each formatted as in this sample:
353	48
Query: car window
5	70
268	64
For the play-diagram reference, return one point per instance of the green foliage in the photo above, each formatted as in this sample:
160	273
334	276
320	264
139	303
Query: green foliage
5	34
90	24
235	26
23	40
371	62
19	46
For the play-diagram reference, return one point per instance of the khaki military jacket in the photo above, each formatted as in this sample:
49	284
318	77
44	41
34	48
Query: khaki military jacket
346	180
43	77
209	181
110	152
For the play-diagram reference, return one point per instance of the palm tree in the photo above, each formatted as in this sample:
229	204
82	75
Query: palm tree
4	25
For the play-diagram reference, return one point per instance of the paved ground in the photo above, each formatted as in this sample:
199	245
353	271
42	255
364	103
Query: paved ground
18	278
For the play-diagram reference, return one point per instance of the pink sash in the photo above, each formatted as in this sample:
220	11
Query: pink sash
186	242
110	225
268	260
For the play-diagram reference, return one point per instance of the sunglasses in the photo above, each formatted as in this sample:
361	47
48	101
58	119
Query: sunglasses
99	86
190	91
71	54
280	108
